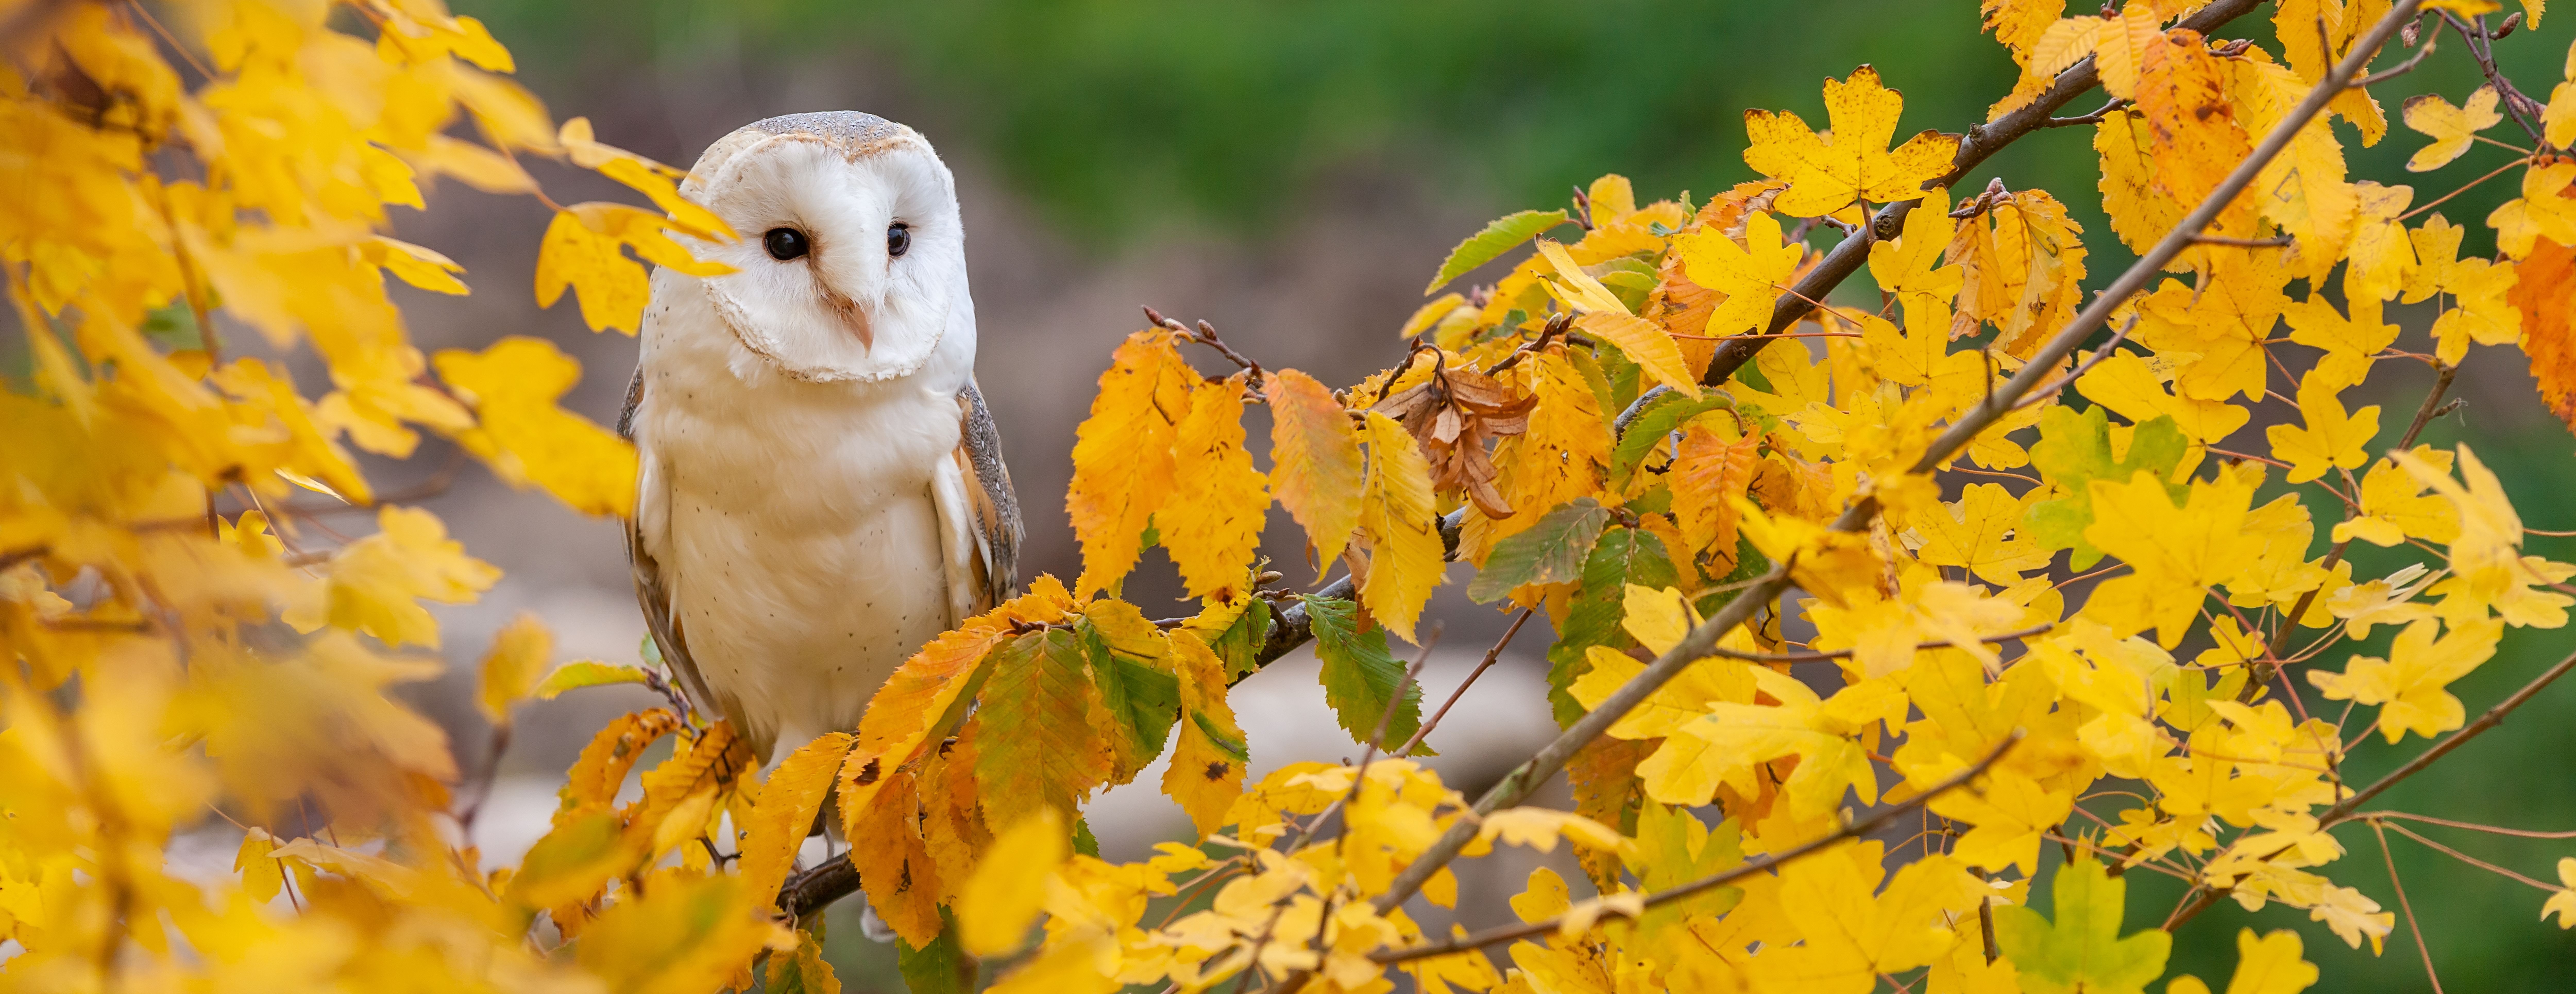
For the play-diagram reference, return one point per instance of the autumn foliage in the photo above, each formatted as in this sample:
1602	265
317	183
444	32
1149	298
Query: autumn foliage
2000	555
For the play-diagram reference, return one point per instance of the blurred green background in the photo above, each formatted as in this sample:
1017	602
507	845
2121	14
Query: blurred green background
1123	124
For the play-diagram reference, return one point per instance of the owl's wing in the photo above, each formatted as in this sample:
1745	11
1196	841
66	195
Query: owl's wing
650	592
978	513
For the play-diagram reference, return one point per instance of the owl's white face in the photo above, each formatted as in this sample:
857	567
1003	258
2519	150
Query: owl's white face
852	262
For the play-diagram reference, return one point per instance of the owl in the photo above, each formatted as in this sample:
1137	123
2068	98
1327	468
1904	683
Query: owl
822	489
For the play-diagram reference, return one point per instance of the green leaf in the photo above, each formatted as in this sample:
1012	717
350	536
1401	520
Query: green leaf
942	967
1621	557
1240	644
1653	426
2075	449
1035	742
2082	950
1359	675
1551	551
586	673
1504	235
1143	700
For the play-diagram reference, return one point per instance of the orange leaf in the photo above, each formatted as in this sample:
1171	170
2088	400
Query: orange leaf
894	862
2545	292
785	811
1315	460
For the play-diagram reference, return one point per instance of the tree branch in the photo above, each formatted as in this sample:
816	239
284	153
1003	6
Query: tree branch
1980	144
1972	422
1766	864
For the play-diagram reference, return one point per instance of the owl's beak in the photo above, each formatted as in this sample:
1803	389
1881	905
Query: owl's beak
853	317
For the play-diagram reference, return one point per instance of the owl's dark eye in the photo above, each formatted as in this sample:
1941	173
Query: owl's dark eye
786	243
898	239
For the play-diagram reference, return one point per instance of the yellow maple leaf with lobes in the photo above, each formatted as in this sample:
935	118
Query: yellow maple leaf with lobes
1828	171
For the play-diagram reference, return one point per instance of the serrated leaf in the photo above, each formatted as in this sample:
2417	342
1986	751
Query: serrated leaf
1316	466
802	971
1040	742
1621	558
1122	455
1407	558
1206	774
942	967
1142	700
1359	675
1654	426
1212	525
786	808
1551	551
1503	235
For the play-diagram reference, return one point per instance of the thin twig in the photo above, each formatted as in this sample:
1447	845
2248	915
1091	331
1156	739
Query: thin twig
1818	657
1487	663
2092	118
1854	830
2408	906
2276	241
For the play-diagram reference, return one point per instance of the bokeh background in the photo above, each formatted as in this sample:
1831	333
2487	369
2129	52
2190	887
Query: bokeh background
1293	172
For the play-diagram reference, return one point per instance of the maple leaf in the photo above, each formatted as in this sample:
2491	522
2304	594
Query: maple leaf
1736	738
2409	686
2563	902
1750	274
2546	209
2382	257
2451	128
2074	450
2131	388
377	582
582	252
1212	524
2332	438
2302	190
1206	773
2394	507
2176	552
2266	965
2082	949
2544	291
1910	265
2118	44
1828	173
2181	93
1316	462
526	438
1979	533
2351	343
1122	455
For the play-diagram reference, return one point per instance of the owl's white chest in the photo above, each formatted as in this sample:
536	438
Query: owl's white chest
794	522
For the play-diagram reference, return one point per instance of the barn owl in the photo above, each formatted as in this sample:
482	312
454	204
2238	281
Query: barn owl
821	489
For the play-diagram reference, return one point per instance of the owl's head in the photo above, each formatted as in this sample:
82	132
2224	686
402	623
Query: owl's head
852	263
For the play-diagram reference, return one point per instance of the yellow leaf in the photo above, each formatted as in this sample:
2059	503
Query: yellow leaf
1828	172
2270	964
1212	525
2409	687
1122	455
681	937
1316	468
1751	275
1406	559
785	811
376	582
2545	210
2563	902
262	877
1206	773
519	653
894	862
1002	897
514	386
2451	128
2331	438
